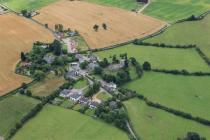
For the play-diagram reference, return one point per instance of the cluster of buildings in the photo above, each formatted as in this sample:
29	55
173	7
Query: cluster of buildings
77	96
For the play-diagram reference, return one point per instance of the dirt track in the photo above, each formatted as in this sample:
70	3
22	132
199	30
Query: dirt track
16	34
122	25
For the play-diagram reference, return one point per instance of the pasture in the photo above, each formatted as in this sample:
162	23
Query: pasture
47	86
18	5
12	109
122	26
185	93
150	123
177	9
161	58
17	35
195	32
125	4
55	123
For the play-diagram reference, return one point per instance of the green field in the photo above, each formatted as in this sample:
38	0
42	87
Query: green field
19	5
104	96
186	93
161	58
173	10
81	84
56	123
12	109
47	86
154	124
124	4
196	32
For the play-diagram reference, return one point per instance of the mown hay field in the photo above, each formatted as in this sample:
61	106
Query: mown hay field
55	123
12	109
171	11
122	25
46	87
161	58
194	32
185	93
17	35
154	124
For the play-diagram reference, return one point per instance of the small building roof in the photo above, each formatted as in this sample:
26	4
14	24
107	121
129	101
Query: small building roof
95	104
65	91
75	95
49	58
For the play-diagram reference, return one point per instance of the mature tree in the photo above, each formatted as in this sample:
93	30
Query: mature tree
98	70
104	26
39	75
56	47
104	63
23	56
96	27
147	66
84	65
192	136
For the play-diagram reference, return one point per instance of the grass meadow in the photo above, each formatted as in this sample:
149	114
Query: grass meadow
12	109
124	4
18	5
47	86
161	58
186	93
54	123
194	32
154	124
171	11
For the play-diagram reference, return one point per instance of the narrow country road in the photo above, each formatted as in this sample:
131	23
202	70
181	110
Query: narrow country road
144	7
131	131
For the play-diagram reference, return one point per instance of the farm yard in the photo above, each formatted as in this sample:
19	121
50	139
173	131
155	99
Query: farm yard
25	4
125	4
161	58
150	123
82	16
172	11
186	93
12	109
187	33
68	125
17	35
47	86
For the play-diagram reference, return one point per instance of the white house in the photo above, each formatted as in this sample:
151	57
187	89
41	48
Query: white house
65	93
75	97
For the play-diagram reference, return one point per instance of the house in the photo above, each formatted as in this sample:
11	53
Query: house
49	59
116	67
1	138
73	74
81	58
113	105
75	97
109	87
71	34
84	100
65	93
74	65
93	58
92	66
94	105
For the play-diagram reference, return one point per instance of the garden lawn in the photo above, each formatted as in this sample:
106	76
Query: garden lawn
47	86
81	84
195	32
154	124
56	123
124	4
12	109
186	93
161	58
171	11
104	96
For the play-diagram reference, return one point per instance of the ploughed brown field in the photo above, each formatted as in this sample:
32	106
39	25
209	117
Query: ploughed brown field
16	34
122	25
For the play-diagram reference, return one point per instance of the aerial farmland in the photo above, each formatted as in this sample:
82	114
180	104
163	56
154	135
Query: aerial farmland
104	70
